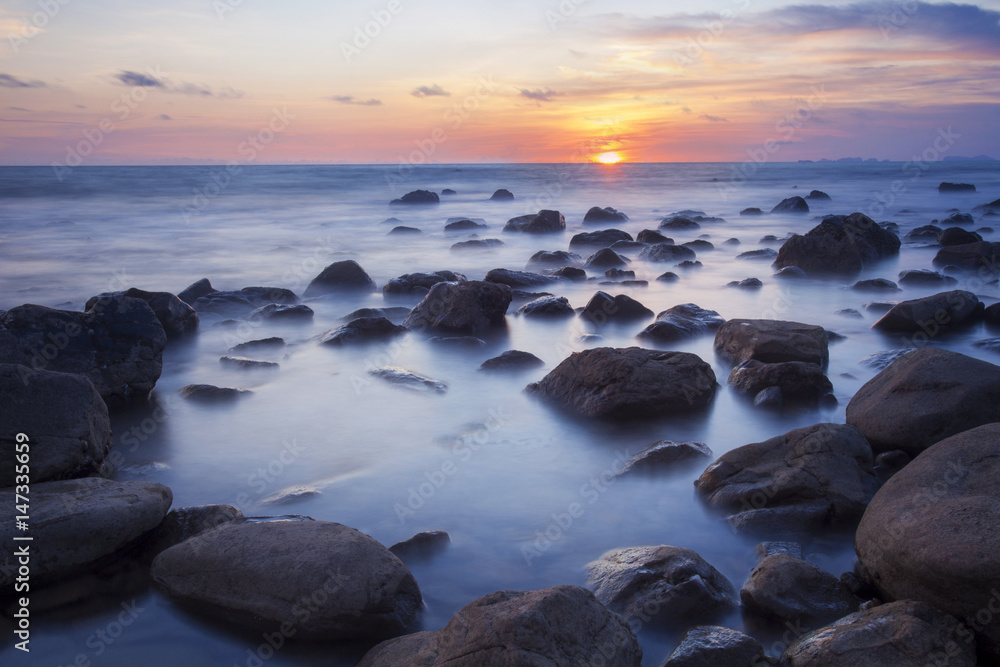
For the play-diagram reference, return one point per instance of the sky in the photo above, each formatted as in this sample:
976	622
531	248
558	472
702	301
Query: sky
449	81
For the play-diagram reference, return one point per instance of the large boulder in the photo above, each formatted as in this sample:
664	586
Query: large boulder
79	524
543	222
664	585
605	258
607	214
932	314
798	381
557	626
839	245
603	308
547	306
812	477
343	276
715	646
958	236
468	308
982	256
666	252
62	415
196	290
602	238
420	283
176	316
923	397
787	588
628	383
771	341
686	320
266	574
117	343
900	634
930	533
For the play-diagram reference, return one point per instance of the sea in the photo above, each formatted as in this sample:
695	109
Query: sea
485	461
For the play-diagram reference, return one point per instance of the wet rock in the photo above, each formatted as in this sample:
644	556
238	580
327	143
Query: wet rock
392	313
791	205
715	646
959	219
841	245
118	344
464	225
274	312
521	295
570	273
819	195
769	398
517	278
668	277
925	396
563	625
543	222
79	524
196	290
652	237
628	383
556	258
924	233
547	306
981	255
665	252
746	283
790	272
666	456
689	264
958	236
879	360
186	522
65	419
418	197
467	308
930	533
207	393
248	364
362	330
619	274
679	222
502	195
512	360
597	214
232	572
602	238
662	585
680	322
699	245
409	380
924	277
243	301
448	191
988	208
420	283
759	253
991	344
956	187
422	545
787	588
931	315
809	478
344	276
875	285
851	313
751	211
603	308
902	634
403	229
477	244
880	306
176	316
605	258
798	381
771	341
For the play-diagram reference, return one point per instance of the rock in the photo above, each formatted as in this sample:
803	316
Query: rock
79	524
344	276
819	195
666	456
799	381
924	277
746	283
117	343
991	344
879	360
231	572
418	197
207	393
689	264
956	187
603	308
518	278
464	226
958	236
628	383
362	330
245	363
605	258
850	313
607	214
543	222
888	464
991	315
403	229
875	285
880	306
547	306
680	322
982	255
466	308
457	341
420	283
196	290
760	253
791	205
679	222
699	245
960	219
186	522
556	258
809	478
448	191
925	396
769	398
771	341
715	646
787	588
512	360
751	211
274	312
502	195
665	252
601	238
243	301
525	296
668	277
64	418
662	585
790	272
570	273
272	343
988	208
924	233
902	634
422	545
653	237
930	315
409	380
563	625
176	316
930	533
619	274
841	245
477	244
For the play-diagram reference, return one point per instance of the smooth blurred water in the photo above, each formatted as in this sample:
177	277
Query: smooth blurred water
370	448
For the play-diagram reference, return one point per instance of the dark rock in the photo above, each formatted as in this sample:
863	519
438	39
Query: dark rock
679	222
875	285
477	244
605	258
652	237
666	456
838	245
958	236
274	312
544	222
665	252
787	588
603	308
983	256
628	246
956	187
991	344
924	233
340	277
925	396
628	383
931	315
247	364
547	306
602	238
751	211
422	545
557	258
668	277
770	398
689	264
231	572
420	283
809	478
798	381
563	625
771	341
880	306
759	253
502	195
464	225
959	219
662	585
418	197
243	301
790	272
715	646
512	360
392	313
207	393
409	380
680	322
522	296
64	418
619	274
403	229
607	214
746	283
924	277
819	195
879	360
699	245
176	316
517	278
448	191
991	315
888	464
570	273
196	290
362	330
457	341
186	522
791	205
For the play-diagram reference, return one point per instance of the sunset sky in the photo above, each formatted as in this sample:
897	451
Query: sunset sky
476	81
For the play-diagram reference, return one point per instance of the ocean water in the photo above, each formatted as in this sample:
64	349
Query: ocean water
494	467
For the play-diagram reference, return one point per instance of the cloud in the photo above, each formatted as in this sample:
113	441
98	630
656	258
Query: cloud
8	81
163	116
130	78
713	119
538	94
18	109
429	91
349	99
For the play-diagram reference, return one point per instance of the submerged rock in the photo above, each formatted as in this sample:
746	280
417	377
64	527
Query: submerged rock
798	381
606	214
274	312
362	330
345	276
467	308
547	306
502	195
246	363
176	316
665	252
512	360
420	283
931	315
207	393
983	255
543	222
746	283
409	380
759	253
555	258
603	308
875	285
464	225
680	322
422	545
666	456
787	588
924	277
715	646
477	244
518	278
238	303
418	197
272	343
791	205
771	341
958	236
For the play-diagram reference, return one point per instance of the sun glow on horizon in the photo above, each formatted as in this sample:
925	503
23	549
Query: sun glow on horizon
609	158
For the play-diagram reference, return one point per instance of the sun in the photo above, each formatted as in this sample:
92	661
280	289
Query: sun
609	158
